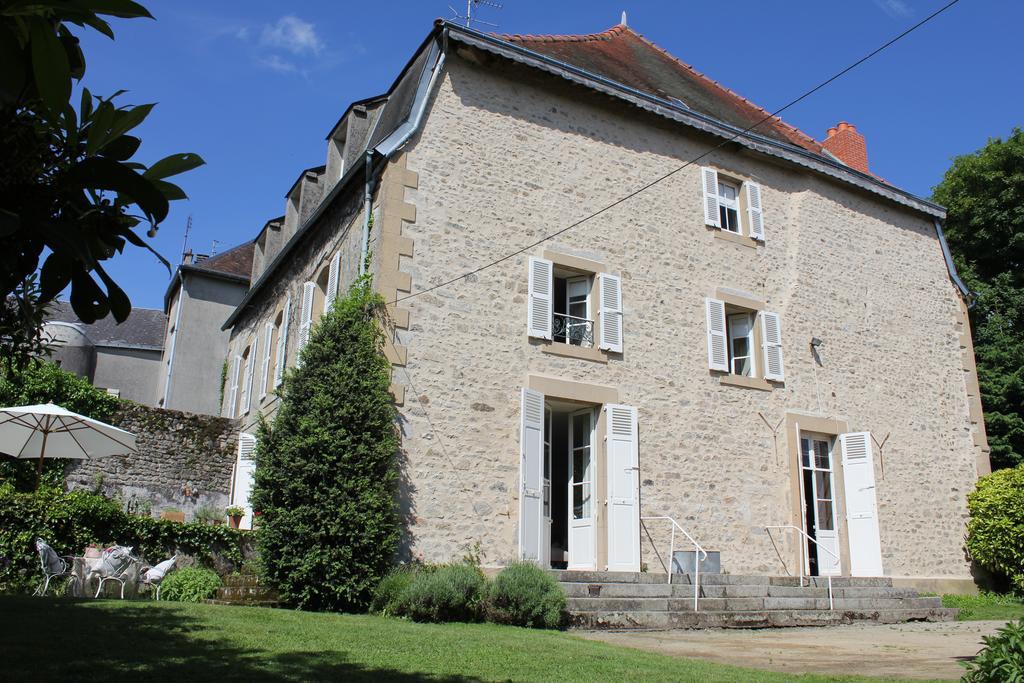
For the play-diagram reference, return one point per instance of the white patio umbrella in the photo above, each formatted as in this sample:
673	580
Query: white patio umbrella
49	431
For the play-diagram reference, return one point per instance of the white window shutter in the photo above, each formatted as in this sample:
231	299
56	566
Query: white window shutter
709	179
718	346
861	504
609	290
233	391
268	340
541	287
622	443
250	370
531	476
306	315
771	343
333	275
755	217
282	343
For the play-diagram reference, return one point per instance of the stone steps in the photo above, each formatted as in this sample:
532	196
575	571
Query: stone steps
624	620
627	600
747	604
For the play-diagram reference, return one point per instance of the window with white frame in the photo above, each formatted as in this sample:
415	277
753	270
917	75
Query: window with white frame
744	342
574	307
740	330
729	206
732	205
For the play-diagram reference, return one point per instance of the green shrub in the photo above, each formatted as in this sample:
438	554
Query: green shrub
191	584
71	521
523	594
390	589
450	593
1002	658
326	479
995	534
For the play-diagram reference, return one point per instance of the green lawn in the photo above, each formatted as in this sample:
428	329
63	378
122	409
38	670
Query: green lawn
986	606
105	640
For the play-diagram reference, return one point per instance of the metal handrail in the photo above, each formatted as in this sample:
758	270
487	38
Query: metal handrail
671	553
768	530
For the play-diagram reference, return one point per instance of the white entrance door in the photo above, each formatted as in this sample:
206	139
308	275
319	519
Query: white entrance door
581	490
623	489
861	505
819	502
531	478
245	467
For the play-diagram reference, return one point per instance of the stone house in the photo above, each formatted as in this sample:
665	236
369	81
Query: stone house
768	348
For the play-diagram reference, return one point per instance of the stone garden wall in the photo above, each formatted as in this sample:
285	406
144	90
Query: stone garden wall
184	462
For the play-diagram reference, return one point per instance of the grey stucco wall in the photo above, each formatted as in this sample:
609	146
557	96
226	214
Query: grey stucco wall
178	453
200	346
71	348
134	373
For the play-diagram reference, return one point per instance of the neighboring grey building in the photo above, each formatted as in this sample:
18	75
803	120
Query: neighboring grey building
202	294
124	359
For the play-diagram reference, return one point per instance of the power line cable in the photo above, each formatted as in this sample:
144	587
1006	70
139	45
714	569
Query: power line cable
689	163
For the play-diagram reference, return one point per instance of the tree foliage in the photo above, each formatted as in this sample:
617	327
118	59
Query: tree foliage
69	187
984	196
327	471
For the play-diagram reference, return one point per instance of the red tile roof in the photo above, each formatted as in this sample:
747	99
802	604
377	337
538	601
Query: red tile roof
234	261
622	55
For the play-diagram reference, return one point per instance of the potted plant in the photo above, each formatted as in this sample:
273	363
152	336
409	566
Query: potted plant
235	514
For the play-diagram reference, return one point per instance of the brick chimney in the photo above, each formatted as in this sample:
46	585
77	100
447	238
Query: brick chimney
848	145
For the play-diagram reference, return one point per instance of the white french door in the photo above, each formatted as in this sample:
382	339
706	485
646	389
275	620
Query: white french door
819	505
545	543
582	501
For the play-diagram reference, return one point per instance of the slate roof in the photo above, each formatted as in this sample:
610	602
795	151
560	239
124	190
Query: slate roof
144	327
624	56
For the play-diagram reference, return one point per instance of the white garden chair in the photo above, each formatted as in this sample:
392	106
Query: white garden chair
155	575
53	565
117	564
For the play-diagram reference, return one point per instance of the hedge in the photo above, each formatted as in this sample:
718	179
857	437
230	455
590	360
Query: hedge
70	521
995	533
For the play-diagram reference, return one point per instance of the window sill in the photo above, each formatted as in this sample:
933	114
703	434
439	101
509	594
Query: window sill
741	240
746	382
573	351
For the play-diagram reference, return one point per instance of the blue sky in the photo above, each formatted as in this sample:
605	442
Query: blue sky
255	86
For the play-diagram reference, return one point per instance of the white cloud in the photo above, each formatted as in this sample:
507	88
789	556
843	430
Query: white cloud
275	63
294	35
897	9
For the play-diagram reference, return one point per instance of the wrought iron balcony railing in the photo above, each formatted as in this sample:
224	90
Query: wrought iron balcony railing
572	330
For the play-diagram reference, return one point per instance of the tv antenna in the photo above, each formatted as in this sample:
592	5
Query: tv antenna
213	247
468	16
184	245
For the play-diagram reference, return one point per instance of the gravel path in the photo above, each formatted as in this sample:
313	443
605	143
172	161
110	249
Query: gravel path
914	650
